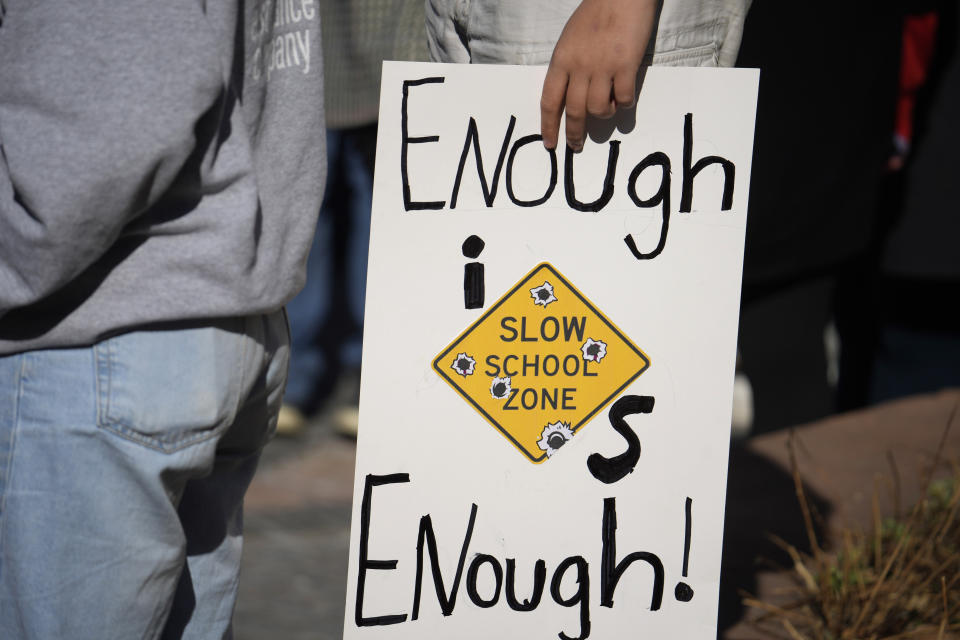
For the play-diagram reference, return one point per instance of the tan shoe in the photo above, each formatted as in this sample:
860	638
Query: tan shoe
346	420
291	421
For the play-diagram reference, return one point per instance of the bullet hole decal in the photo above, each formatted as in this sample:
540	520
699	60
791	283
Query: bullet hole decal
543	294
500	388
463	364
594	350
554	436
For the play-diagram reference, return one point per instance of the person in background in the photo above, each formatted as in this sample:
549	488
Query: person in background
161	169
821	195
918	338
326	318
819	161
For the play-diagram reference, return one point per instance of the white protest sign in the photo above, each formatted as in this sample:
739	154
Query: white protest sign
548	361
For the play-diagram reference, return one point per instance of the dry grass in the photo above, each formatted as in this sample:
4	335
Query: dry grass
901	580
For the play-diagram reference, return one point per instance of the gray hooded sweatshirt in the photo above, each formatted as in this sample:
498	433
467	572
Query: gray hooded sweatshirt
160	160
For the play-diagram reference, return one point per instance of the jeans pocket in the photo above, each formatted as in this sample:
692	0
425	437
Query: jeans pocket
167	390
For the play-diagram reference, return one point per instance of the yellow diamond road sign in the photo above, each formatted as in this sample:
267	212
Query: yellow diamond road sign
540	363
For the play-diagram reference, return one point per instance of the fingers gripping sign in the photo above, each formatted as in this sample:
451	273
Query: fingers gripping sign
594	66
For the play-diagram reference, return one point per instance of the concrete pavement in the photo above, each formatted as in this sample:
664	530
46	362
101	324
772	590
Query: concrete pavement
297	532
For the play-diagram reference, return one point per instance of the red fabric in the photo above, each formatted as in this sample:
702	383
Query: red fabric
919	38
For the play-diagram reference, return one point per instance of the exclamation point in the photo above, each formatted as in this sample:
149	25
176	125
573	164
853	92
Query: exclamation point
473	274
683	592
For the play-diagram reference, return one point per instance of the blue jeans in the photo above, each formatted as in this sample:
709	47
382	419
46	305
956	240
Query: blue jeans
122	473
348	193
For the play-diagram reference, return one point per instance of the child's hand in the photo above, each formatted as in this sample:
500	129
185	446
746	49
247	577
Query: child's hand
594	65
